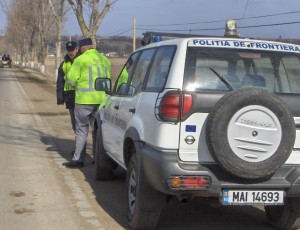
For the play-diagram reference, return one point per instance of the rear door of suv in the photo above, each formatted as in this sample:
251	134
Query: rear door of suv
128	113
112	124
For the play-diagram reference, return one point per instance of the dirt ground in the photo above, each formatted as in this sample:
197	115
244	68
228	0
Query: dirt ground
107	199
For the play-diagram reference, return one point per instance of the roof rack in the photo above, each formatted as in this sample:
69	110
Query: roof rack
152	36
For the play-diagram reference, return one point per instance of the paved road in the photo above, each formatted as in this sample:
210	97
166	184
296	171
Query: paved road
36	192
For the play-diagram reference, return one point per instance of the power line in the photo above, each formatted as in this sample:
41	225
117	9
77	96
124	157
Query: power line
214	21
128	28
124	32
274	24
121	31
213	29
255	26
245	10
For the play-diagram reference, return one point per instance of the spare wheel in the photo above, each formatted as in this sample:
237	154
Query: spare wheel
250	132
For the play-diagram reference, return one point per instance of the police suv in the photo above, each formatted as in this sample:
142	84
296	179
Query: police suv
214	117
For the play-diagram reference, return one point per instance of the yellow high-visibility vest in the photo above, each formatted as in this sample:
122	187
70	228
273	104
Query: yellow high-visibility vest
83	73
66	67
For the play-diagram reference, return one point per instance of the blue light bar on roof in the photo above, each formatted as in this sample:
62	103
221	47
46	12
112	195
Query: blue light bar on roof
157	38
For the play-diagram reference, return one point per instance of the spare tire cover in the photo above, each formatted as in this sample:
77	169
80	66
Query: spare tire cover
250	132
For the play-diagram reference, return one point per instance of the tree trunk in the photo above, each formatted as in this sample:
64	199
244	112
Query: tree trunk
96	15
58	43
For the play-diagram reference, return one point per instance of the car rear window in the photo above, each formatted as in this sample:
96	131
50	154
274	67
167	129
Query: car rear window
220	69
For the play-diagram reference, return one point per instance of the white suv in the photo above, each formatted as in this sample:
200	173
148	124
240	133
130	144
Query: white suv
213	117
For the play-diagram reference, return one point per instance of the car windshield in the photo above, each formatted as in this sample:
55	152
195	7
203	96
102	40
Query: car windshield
220	69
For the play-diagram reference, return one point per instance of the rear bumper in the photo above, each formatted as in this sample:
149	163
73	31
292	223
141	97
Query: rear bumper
159	165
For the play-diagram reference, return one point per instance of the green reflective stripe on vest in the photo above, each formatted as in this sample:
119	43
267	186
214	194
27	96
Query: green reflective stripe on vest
85	90
72	83
68	84
90	78
91	88
106	70
99	72
86	68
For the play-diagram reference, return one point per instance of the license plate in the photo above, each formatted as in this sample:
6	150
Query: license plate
250	197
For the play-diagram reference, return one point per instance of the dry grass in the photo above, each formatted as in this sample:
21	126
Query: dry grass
116	66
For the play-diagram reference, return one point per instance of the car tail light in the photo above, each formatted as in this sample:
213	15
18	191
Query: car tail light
175	105
170	105
189	182
187	103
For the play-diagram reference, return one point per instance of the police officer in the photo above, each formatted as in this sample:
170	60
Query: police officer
65	93
85	69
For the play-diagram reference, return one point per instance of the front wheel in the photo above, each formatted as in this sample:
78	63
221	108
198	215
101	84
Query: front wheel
104	165
143	204
285	216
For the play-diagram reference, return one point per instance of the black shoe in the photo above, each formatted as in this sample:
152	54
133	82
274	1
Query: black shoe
73	164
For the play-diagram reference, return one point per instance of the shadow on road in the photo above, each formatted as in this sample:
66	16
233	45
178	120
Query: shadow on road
197	214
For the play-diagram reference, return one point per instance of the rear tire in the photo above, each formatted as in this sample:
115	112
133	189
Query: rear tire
250	133
143	204
104	165
284	217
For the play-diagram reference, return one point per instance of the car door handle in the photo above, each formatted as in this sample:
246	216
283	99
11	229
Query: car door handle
132	110
116	107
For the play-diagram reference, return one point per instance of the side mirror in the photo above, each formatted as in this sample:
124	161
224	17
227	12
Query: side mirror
121	89
131	90
103	84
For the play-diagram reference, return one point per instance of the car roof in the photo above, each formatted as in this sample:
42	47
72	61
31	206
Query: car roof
229	42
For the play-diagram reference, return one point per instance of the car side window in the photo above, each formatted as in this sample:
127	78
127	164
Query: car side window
160	68
121	83
140	71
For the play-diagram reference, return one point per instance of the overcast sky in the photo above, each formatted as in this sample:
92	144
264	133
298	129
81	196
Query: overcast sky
200	17
197	17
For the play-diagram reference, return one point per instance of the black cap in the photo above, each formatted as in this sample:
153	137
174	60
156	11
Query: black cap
71	45
85	42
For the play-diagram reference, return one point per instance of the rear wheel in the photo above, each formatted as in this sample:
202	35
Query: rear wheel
250	133
143	204
104	165
284	217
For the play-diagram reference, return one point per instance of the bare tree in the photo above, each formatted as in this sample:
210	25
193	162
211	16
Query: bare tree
95	12
59	11
30	28
5	5
20	29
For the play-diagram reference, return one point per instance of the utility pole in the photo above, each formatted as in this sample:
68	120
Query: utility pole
134	35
